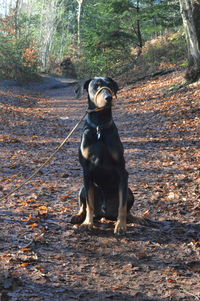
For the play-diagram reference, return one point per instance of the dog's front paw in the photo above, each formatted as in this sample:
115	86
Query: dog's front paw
86	225
78	218
120	227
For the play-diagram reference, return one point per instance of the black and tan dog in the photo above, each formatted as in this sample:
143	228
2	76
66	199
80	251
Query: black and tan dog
105	192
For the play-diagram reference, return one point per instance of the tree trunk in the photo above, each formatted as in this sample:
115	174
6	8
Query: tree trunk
80	2
190	12
48	28
16	16
137	30
139	34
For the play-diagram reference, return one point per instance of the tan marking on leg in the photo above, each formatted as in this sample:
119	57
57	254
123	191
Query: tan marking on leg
120	225
81	210
80	216
88	222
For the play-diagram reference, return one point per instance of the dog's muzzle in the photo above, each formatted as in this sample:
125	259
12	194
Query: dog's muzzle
108	97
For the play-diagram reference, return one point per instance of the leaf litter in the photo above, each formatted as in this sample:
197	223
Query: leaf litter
43	257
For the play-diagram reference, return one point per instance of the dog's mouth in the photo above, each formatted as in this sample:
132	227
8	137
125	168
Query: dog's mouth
104	107
103	100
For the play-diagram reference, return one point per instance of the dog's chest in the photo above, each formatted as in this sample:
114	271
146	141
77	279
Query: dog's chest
97	148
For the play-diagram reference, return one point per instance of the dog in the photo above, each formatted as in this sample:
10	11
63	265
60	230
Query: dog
105	192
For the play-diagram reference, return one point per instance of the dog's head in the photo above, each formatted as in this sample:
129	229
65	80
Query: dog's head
101	91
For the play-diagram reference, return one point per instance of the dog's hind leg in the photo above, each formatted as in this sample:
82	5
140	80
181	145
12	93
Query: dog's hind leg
80	216
146	222
130	200
131	219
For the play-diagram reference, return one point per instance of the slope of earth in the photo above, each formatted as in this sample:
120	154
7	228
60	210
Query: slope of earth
42	256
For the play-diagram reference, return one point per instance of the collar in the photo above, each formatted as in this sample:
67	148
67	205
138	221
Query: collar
101	127
104	125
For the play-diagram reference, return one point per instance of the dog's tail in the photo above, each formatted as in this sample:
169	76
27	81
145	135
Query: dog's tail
147	222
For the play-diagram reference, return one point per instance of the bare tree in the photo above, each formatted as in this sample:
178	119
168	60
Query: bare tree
190	12
49	19
80	3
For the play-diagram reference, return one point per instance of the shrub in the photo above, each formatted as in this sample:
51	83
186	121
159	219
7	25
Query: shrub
18	55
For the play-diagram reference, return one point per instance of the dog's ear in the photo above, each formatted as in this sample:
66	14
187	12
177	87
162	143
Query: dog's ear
86	84
114	85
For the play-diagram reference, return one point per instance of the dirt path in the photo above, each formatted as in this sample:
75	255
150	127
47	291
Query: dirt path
42	256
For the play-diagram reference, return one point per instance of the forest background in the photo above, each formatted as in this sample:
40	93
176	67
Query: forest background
146	46
100	37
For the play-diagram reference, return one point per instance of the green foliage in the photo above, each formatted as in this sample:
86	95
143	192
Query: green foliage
104	40
110	29
168	49
18	56
163	52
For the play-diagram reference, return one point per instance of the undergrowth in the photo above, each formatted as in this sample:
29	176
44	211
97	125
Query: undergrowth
163	52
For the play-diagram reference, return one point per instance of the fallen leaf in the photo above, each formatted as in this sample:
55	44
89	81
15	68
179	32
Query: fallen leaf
25	249
34	225
25	264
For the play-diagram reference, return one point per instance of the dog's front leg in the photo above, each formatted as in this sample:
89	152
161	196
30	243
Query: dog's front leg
88	222
120	226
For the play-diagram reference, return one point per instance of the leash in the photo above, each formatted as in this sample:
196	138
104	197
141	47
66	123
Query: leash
47	161
60	146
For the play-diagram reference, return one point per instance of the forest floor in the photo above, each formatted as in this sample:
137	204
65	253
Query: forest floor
45	258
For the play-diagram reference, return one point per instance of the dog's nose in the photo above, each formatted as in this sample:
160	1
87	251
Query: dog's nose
108	98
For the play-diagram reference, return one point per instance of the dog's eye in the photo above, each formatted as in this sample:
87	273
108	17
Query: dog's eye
96	87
